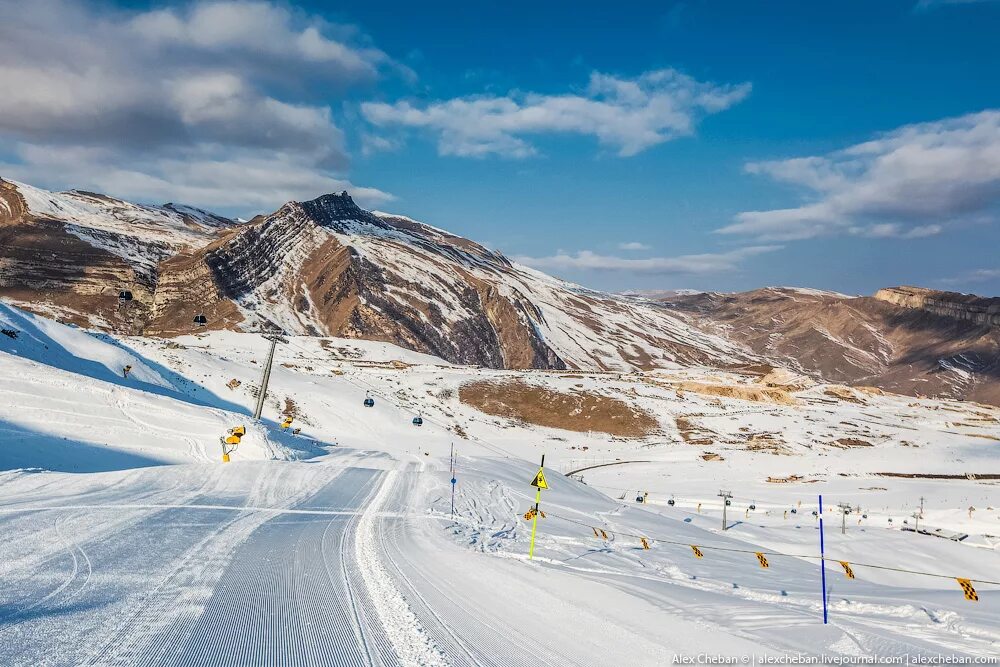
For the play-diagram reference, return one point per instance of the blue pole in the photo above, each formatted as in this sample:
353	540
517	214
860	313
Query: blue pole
453	481
822	556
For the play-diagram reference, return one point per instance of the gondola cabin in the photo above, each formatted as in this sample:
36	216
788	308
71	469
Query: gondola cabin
418	421
369	402
200	320
124	297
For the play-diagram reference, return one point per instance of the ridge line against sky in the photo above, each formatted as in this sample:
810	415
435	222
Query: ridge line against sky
687	144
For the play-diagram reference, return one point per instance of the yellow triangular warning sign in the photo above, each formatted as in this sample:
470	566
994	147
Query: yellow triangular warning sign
539	480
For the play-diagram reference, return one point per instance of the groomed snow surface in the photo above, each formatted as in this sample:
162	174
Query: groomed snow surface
126	540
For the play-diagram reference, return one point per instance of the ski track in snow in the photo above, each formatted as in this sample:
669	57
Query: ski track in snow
408	637
289	598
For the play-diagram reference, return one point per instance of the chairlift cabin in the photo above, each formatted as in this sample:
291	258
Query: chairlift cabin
200	320
418	421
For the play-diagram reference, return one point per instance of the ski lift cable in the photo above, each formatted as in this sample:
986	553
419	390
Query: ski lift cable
672	495
374	390
388	399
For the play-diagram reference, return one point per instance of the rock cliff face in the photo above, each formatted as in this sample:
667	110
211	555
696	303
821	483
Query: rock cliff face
891	343
949	304
324	267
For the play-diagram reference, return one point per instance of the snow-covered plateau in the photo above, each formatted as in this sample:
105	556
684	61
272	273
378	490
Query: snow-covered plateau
343	539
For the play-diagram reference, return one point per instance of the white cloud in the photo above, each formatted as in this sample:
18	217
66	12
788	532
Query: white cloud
926	5
223	180
90	94
970	277
909	183
707	263
634	245
263	32
625	115
890	230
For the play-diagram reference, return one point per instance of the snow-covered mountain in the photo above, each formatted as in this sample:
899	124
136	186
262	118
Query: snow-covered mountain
324	267
907	340
327	267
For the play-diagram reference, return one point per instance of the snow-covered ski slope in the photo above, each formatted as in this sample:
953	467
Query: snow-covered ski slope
128	541
67	404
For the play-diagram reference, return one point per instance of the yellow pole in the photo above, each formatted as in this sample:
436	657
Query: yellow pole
534	524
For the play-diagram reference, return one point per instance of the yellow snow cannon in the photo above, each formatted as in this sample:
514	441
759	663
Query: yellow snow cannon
231	441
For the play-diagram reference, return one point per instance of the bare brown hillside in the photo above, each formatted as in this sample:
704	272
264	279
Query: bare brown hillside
893	344
579	411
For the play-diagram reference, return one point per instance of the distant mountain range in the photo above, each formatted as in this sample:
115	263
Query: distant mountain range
908	340
323	267
327	267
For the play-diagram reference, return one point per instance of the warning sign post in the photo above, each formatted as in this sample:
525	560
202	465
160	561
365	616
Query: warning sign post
539	483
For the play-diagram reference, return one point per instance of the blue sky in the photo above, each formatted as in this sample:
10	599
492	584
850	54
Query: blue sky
708	145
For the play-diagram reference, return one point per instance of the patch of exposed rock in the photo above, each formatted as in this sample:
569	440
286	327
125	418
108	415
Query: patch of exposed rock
969	307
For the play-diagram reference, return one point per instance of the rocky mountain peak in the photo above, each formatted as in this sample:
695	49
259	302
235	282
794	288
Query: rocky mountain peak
332	210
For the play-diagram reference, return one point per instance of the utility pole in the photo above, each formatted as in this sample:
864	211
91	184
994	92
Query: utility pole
274	338
725	495
845	509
